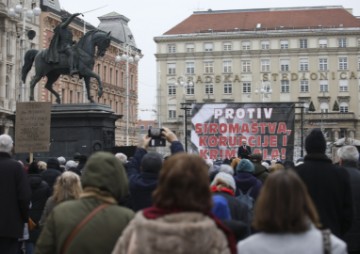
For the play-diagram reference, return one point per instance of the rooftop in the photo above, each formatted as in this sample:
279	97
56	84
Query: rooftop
266	19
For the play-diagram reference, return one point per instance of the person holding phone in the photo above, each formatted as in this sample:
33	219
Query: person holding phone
143	169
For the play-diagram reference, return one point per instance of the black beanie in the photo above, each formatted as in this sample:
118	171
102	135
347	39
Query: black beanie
315	142
53	163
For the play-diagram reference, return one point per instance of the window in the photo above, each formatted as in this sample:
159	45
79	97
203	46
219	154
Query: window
209	67
190	47
284	65
9	45
285	86
7	86
208	47
358	63
343	65
342	42
303	43
358	42
171	68
323	64
265	45
116	77
104	74
284	44
209	88
190	90
227	64
324	86
111	75
227	46
246	66
190	67
344	107
171	48
265	65
304	86
343	86
172	114
303	64
324	107
323	43
246	87
171	89
245	45
227	88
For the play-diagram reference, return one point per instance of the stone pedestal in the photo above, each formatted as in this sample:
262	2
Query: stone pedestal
80	128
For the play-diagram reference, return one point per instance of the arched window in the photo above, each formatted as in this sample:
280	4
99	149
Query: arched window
324	107
343	107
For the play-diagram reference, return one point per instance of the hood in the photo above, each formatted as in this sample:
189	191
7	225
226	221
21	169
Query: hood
104	171
34	180
245	180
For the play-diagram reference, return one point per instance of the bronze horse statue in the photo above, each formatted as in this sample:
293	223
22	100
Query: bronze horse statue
93	41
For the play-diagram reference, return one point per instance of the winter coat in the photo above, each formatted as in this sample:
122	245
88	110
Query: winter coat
142	184
98	236
260	171
15	196
104	181
40	192
353	235
244	181
238	210
49	176
308	242
184	232
329	188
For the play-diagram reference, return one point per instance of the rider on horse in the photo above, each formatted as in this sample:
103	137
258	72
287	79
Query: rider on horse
62	42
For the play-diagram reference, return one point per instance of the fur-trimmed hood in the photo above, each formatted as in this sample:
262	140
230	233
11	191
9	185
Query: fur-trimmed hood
184	232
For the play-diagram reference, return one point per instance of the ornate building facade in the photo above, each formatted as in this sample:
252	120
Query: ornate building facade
308	55
119	76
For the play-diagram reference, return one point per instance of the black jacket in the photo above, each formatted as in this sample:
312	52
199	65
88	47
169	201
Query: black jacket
14	197
40	191
353	235
142	184
329	188
244	153
49	176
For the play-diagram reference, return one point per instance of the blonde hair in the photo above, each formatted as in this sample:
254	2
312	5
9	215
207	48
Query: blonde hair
276	167
42	165
67	187
235	162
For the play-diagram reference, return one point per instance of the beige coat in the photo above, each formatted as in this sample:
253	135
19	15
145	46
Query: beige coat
186	232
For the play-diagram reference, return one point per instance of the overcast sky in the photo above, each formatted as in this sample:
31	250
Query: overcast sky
149	19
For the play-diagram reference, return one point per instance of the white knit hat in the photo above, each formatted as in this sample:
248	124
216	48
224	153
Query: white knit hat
224	178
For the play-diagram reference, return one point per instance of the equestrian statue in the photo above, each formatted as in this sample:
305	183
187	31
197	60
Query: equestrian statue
64	56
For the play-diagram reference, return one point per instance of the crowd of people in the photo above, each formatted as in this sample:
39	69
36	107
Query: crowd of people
181	203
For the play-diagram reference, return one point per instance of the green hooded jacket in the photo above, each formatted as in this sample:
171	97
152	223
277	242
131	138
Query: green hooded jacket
99	235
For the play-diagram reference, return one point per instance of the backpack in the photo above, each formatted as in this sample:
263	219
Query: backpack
248	200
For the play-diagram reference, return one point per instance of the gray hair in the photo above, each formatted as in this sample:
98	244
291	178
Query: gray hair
70	164
348	153
122	157
226	169
61	160
6	143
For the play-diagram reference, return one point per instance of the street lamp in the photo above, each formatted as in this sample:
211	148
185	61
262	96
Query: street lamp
188	88
20	11
129	56
265	90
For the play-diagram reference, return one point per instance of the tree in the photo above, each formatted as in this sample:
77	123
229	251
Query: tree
336	106
311	107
